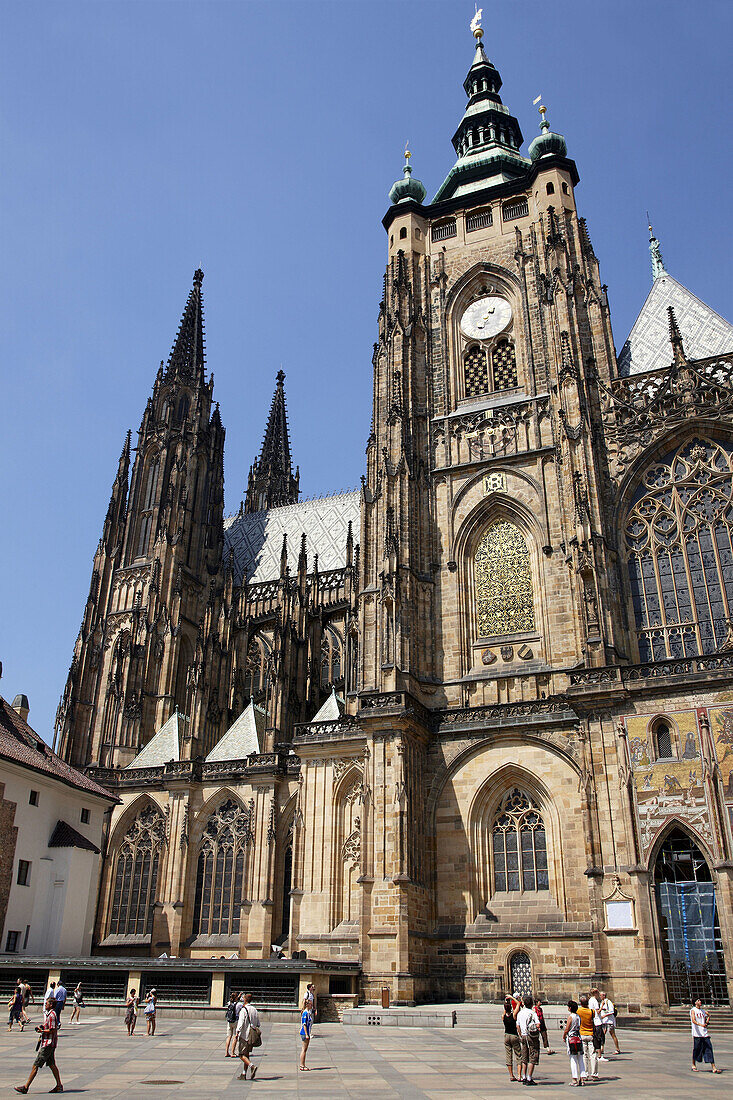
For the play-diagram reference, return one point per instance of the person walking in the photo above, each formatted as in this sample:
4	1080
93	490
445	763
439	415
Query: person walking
151	1008
512	1045
574	1043
15	1004
608	1015
249	1035
231	1014
27	1000
131	1012
599	1035
528	1027
46	1056
586	1036
50	992
60	1001
543	1026
78	1005
702	1048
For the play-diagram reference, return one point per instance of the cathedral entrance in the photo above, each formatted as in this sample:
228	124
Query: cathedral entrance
520	969
692	947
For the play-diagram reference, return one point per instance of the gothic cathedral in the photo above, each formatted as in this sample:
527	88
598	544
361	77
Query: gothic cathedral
472	726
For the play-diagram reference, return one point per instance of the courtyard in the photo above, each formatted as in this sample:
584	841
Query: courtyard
186	1059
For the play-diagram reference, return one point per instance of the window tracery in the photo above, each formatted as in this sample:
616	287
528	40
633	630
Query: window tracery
136	875
220	872
331	659
519	845
147	505
256	670
504	366
680	554
503	581
475	372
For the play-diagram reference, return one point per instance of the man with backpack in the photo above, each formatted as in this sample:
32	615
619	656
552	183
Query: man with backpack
231	1014
249	1034
528	1028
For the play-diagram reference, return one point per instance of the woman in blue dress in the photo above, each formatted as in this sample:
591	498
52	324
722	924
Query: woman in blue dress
306	1024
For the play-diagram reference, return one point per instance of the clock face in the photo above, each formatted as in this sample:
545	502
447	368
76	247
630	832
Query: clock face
485	318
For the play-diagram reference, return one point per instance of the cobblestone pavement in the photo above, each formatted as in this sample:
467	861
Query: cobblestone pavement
185	1059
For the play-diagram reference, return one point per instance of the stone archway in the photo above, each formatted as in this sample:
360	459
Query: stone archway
692	948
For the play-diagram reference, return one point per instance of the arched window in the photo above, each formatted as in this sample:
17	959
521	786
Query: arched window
255	671
519	845
220	872
331	659
662	735
504	366
503	582
475	372
136	875
181	687
680	556
147	505
183	407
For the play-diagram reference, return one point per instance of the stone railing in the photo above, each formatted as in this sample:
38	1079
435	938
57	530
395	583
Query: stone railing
626	674
339	730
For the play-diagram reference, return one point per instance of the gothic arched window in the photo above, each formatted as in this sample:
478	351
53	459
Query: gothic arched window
220	872
475	372
147	504
504	366
662	735
331	659
136	875
678	538
519	845
255	670
503	581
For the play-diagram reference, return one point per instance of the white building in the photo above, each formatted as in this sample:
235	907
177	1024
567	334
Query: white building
51	826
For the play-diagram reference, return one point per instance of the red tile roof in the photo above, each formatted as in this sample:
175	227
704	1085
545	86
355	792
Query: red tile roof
22	745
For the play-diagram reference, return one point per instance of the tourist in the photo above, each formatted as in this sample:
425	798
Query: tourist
50	992
306	1027
702	1048
231	1014
599	1035
543	1026
78	1005
60	1001
571	1035
586	1034
528	1027
15	1004
512	1045
608	1015
131	1011
249	1035
151	1007
27	1000
46	1047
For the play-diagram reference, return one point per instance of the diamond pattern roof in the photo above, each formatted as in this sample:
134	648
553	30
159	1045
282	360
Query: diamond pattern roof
256	538
243	737
165	745
704	332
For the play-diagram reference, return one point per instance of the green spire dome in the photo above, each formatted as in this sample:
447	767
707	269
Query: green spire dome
547	143
488	138
407	187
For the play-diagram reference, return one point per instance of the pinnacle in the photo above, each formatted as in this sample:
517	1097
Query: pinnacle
271	478
187	356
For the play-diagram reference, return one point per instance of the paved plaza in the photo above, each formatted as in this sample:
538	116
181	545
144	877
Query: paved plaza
185	1059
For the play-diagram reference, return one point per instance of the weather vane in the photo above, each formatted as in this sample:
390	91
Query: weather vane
408	154
476	29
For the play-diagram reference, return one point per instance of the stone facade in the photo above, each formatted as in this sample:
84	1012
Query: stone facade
494	799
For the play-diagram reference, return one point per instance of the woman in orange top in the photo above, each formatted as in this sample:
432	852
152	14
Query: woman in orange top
586	1036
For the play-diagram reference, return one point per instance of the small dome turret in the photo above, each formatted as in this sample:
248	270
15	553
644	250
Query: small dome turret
547	142
407	187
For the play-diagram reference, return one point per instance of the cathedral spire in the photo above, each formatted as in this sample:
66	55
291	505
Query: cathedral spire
658	267
488	138
271	481
187	357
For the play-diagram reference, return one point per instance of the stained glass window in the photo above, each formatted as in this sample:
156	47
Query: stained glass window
503	581
220	872
519	845
476	374
136	875
680	557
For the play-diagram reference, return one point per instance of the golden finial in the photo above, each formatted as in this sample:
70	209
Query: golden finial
476	29
408	154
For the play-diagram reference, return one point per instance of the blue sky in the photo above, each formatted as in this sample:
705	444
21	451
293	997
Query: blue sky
260	140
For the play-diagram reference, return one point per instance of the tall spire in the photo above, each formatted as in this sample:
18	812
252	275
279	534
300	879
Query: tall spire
271	481
658	267
187	356
488	138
